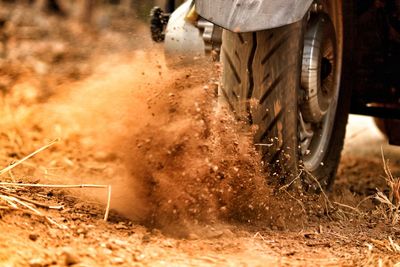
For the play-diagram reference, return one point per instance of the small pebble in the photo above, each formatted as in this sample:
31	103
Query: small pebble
139	257
33	237
36	263
111	246
80	231
121	226
117	260
193	236
146	238
70	257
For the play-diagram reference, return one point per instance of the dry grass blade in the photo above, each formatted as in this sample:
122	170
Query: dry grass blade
36	203
9	202
348	207
12	201
388	244
108	203
394	245
328	203
393	183
392	210
108	187
286	186
363	200
8	168
393	200
23	201
54	185
384	200
297	200
259	235
386	167
37	212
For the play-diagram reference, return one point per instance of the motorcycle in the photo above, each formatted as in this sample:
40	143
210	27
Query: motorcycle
296	69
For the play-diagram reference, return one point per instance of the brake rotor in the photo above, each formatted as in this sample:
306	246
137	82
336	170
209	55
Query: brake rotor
319	59
320	89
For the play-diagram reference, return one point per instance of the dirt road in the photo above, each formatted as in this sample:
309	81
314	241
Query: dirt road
359	238
187	184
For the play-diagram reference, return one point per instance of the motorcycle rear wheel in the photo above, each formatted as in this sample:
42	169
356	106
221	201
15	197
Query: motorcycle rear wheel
262	83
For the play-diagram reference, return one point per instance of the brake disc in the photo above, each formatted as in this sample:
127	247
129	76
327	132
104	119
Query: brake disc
319	59
319	89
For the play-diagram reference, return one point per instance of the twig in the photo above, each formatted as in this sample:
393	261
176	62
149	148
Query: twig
5	188
6	169
54	185
386	167
267	145
328	203
69	186
393	201
20	200
38	204
108	203
363	200
7	199
347	206
27	206
320	186
263	238
298	201
35	211
259	235
291	182
11	175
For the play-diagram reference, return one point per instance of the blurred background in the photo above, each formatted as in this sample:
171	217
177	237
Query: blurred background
44	43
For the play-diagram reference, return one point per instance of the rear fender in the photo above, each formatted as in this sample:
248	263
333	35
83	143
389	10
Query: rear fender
252	15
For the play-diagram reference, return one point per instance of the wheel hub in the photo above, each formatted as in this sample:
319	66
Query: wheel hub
319	88
317	69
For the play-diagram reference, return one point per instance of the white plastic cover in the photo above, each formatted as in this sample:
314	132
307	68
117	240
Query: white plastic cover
183	41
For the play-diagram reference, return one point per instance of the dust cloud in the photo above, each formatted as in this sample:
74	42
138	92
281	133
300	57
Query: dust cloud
188	163
181	161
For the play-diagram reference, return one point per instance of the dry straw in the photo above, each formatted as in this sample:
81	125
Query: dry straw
16	202
392	202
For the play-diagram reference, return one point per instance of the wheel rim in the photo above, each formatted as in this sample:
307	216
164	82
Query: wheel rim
320	83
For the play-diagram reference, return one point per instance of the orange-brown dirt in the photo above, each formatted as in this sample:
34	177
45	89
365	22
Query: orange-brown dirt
187	185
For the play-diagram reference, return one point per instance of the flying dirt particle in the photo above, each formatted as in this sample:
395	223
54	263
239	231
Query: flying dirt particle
193	166
185	161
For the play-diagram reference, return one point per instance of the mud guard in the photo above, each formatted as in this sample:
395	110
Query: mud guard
183	40
252	15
